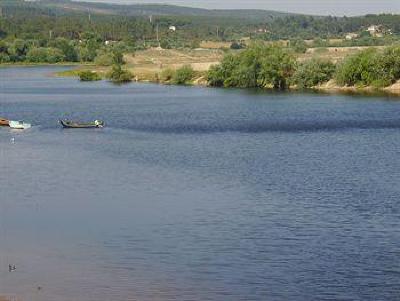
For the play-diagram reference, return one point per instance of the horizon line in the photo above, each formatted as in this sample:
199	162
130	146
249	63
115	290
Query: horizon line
111	2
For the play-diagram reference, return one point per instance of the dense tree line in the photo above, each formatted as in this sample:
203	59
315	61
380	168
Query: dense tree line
310	27
27	21
90	48
34	33
133	29
261	66
370	67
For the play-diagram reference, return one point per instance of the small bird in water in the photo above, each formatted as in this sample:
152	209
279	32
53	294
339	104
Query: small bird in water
11	268
12	140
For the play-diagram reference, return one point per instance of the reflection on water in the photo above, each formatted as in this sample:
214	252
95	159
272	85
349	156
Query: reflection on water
196	194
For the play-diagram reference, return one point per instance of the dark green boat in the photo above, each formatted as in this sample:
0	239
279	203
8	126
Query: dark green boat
79	125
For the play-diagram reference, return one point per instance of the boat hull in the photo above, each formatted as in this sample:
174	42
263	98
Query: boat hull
4	122
19	125
77	125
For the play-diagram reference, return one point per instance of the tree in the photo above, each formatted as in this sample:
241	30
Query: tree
256	67
299	46
90	43
167	75
45	55
3	47
119	75
313	73
391	61
117	57
104	59
277	68
221	75
87	76
4	58
236	46
215	76
67	47
18	50
368	67
165	44
183	75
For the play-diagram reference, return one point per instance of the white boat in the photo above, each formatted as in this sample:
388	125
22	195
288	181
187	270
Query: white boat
20	125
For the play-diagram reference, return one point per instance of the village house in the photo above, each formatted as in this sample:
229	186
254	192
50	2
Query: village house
376	31
261	30
108	43
351	36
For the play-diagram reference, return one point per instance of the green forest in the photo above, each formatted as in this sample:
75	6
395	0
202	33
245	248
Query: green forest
47	32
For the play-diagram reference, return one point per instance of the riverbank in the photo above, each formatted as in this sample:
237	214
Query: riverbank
151	65
200	79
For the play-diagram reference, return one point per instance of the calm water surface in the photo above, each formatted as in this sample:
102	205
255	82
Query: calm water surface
197	194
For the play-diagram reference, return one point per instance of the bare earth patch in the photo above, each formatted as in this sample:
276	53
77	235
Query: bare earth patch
395	88
148	64
334	54
9	298
164	58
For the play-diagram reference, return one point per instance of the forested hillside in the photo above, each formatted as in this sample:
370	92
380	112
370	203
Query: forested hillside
193	22
67	6
76	31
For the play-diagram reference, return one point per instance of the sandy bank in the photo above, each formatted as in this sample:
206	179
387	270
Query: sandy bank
333	87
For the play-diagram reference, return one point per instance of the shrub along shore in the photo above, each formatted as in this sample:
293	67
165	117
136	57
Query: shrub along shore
274	67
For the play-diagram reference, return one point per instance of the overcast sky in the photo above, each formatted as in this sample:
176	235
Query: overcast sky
323	7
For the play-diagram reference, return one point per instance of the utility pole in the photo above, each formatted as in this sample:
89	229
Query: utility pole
158	38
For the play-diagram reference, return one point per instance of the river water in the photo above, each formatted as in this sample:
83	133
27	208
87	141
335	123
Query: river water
196	194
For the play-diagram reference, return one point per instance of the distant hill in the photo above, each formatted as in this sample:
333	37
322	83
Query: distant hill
28	18
67	6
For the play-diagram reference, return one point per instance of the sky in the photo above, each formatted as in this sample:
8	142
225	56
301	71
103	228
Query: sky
320	7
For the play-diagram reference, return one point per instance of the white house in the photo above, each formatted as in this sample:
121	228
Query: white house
108	43
373	28
351	36
172	28
376	30
261	30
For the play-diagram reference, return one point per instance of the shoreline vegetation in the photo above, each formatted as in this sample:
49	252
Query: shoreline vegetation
365	71
271	66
